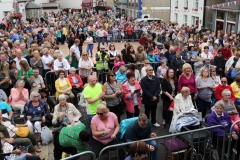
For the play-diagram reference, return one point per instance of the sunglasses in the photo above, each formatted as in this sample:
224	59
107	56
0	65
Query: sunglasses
100	113
84	54
113	75
44	97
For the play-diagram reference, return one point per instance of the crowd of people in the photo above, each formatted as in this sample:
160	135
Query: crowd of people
194	70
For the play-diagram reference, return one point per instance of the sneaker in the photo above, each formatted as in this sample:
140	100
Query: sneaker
156	124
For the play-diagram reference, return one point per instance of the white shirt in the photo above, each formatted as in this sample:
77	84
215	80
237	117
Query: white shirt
89	40
77	52
61	65
45	60
18	61
208	56
113	53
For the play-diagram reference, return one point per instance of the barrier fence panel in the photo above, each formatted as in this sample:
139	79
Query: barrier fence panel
233	145
201	143
87	155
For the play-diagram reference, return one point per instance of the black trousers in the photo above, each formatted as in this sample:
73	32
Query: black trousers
135	114
98	146
116	110
58	149
151	109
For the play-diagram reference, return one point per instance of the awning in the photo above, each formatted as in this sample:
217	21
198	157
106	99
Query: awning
229	8
32	5
50	5
20	1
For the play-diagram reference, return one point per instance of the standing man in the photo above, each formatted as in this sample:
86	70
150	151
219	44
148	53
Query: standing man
151	89
75	47
47	61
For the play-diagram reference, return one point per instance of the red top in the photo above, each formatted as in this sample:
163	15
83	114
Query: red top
190	83
226	53
220	88
129	30
80	83
143	40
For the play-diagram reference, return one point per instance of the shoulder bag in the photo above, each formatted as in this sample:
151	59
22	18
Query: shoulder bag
121	101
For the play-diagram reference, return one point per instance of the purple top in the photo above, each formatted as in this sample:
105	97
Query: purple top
190	83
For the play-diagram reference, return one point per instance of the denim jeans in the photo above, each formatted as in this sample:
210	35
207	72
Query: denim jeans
238	100
100	39
154	154
89	47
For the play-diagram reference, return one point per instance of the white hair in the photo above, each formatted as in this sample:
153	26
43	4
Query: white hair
225	92
62	96
149	67
33	94
72	69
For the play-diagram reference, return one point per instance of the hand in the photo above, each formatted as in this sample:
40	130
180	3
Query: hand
171	98
101	95
113	136
118	92
235	111
10	140
43	119
154	98
61	115
220	69
29	117
234	136
65	91
195	97
151	148
107	131
153	135
77	85
114	95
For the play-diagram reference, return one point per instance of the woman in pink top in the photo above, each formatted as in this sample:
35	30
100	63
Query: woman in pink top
215	50
19	96
187	79
104	127
118	62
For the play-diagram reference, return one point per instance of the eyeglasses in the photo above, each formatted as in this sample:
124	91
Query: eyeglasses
100	113
44	97
224	81
84	54
228	95
113	75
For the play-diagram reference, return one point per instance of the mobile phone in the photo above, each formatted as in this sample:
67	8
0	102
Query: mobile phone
25	148
137	90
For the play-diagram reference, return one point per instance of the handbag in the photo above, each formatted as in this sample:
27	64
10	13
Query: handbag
121	101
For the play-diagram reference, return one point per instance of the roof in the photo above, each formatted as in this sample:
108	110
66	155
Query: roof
32	5
50	5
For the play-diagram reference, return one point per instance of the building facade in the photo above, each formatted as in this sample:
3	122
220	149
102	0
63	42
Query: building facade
5	7
144	8
187	12
224	15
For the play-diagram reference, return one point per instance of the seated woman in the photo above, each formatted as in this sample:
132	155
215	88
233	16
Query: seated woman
63	86
7	129
183	108
104	127
230	108
132	68
35	112
77	143
219	117
121	74
132	95
18	96
75	81
65	113
138	151
235	87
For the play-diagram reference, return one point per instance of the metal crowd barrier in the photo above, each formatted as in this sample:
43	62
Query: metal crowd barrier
233	144
82	156
51	77
193	144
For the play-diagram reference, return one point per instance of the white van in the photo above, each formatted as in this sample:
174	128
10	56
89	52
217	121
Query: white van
148	19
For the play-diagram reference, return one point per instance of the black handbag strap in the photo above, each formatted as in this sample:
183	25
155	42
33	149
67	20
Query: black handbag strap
114	91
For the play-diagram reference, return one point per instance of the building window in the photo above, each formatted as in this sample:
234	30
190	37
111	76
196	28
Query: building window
220	14
176	17
231	16
195	21
186	4
176	3
185	19
196	4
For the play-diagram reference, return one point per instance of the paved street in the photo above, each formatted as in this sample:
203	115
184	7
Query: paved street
47	151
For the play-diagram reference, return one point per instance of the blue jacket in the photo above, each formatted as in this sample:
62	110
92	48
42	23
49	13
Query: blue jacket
150	88
151	58
121	77
159	59
42	110
123	127
213	120
234	73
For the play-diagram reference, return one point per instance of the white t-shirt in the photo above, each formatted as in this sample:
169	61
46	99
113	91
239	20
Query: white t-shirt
45	60
132	88
89	40
39	81
76	50
204	55
18	61
61	65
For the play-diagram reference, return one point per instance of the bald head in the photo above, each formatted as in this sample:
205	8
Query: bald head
19	53
92	80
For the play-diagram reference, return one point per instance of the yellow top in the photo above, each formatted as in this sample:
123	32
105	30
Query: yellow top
64	31
236	89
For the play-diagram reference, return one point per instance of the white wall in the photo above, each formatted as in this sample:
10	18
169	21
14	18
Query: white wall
70	4
187	16
5	6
